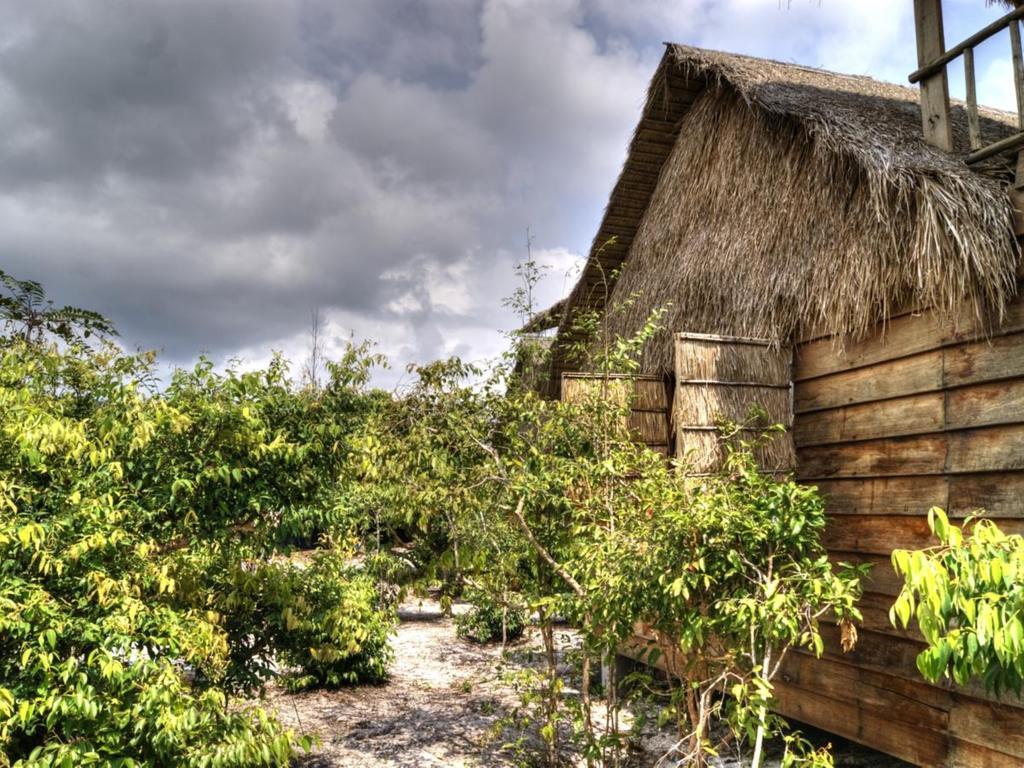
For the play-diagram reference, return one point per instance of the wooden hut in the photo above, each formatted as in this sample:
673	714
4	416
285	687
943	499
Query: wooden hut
806	209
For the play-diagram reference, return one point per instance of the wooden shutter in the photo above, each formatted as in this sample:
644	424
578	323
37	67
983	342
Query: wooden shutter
722	378
648	397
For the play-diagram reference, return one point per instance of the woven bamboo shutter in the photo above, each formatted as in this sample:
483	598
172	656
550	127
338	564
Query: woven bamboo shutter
722	379
648	398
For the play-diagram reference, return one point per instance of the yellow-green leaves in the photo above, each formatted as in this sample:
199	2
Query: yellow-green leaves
129	522
902	610
968	600
31	535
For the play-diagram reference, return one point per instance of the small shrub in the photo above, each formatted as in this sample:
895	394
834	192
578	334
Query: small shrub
483	622
96	632
967	597
335	630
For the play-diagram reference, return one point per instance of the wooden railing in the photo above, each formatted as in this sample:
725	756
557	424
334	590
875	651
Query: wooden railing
931	74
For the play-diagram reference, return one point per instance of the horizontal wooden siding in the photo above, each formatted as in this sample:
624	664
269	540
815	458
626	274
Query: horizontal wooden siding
925	413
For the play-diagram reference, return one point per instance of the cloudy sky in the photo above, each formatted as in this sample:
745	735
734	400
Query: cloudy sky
206	172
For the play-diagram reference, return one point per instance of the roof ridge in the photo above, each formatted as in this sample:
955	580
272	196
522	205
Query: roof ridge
790	64
823	71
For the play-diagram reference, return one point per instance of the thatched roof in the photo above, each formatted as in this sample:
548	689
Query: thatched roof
762	198
546	319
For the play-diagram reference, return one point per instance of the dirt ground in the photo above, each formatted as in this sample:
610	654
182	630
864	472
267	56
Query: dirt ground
441	707
438	708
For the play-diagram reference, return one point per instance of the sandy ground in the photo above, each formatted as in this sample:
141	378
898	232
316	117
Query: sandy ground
441	707
438	708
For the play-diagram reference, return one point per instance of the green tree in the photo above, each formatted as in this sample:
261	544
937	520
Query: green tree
27	314
144	575
552	504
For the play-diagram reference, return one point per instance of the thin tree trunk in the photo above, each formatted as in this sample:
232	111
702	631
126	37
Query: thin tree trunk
585	691
544	555
696	724
612	716
762	714
550	696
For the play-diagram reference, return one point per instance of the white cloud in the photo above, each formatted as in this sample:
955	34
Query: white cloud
872	37
208	171
560	270
310	104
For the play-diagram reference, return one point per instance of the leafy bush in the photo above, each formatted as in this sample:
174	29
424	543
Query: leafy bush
551	504
967	595
334	628
488	621
140	577
739	577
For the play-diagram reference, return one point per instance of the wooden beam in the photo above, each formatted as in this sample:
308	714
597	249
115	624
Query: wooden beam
1018	70
1013	141
971	42
935	119
973	123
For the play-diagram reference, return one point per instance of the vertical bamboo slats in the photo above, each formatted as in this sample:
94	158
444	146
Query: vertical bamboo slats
647	397
723	379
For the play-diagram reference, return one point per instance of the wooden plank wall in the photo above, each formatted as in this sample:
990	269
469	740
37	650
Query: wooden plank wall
928	413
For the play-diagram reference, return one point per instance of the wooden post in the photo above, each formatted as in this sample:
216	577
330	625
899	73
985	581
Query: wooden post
1017	197
973	123
1018	71
935	120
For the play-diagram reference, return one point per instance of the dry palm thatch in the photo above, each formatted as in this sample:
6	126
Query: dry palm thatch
546	319
791	198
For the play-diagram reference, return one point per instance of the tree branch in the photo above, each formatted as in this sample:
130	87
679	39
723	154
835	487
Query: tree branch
544	554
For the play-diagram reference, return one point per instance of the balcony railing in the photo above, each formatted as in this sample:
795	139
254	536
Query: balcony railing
934	89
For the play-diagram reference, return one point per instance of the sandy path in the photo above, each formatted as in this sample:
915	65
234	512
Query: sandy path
440	708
